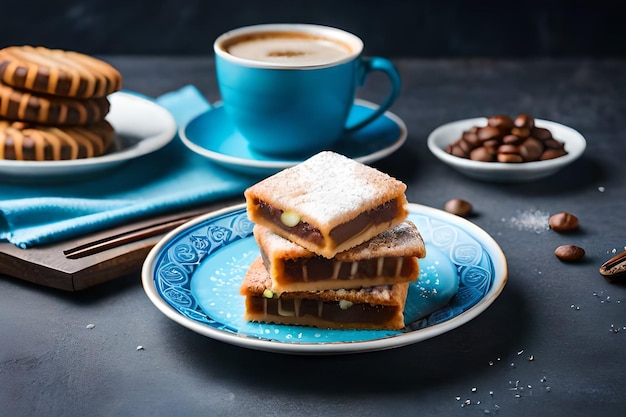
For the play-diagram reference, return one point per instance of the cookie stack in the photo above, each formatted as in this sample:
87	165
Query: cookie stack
336	248
53	104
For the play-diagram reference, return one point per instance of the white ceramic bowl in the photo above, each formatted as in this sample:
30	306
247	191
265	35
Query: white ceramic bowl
575	145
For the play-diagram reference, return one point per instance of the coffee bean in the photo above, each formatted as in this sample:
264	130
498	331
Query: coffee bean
491	143
465	146
524	141
563	222
524	120
541	133
569	253
458	206
531	149
487	133
456	150
471	138
522	132
508	149
553	144
510	158
552	153
500	122
481	154
512	140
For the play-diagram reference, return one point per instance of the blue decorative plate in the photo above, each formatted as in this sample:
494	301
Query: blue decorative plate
213	136
193	276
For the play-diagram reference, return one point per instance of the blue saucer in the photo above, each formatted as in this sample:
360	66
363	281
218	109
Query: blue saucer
213	136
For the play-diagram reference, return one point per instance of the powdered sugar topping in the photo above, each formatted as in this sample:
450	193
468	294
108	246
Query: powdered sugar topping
328	186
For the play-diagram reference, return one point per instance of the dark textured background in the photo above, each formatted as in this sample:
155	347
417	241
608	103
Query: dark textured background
51	365
560	314
429	28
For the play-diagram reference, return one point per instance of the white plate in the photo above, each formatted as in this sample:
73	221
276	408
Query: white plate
505	172
213	136
141	126
193	276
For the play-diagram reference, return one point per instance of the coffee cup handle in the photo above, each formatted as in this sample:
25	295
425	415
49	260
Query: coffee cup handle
371	64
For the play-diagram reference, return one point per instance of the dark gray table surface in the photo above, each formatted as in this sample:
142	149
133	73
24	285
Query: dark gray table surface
553	343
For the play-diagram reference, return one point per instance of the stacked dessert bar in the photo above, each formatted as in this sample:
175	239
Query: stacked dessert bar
336	248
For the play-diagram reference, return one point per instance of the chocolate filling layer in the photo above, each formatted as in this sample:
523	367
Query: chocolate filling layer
325	310
341	233
319	268
381	214
302	229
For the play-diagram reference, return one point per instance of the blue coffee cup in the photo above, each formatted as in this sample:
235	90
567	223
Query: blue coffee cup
288	88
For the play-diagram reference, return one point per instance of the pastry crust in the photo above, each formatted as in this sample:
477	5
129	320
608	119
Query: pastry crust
324	194
57	72
379	307
388	258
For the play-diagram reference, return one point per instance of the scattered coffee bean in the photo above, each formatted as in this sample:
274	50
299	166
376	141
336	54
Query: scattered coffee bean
459	207
524	141
563	222
569	253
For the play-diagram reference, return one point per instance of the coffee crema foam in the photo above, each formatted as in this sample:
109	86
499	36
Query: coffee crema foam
294	49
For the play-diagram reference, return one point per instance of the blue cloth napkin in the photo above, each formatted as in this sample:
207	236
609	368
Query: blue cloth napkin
168	179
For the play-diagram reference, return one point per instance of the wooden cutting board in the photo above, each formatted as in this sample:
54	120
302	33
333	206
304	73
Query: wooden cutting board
88	260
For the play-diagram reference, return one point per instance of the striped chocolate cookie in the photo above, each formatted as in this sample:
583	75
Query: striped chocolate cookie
49	110
57	72
26	142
